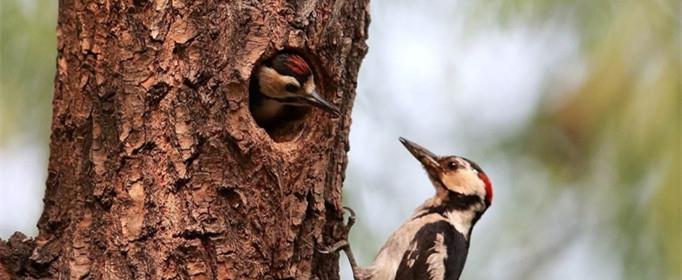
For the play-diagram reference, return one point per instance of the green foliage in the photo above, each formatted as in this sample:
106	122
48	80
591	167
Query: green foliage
619	130
27	66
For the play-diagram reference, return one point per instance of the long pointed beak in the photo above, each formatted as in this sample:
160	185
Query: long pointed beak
316	100
426	157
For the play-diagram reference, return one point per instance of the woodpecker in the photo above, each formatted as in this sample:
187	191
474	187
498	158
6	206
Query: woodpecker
283	85
433	243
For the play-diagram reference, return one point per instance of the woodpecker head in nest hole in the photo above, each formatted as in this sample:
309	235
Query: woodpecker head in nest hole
284	82
453	175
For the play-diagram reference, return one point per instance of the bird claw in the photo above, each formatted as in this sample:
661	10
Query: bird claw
344	242
345	246
351	219
334	248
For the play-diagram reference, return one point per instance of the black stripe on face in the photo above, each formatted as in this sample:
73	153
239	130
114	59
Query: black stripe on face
453	202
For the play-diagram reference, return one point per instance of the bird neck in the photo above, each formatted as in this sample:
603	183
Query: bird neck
269	108
462	220
462	211
263	108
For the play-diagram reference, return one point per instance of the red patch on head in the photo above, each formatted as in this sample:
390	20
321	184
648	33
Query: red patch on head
297	65
488	187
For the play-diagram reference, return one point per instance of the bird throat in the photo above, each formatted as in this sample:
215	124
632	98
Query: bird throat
462	211
269	109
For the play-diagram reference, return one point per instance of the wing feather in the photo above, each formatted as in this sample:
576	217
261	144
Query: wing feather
438	251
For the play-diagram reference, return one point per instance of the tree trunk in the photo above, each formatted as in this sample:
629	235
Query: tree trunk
157	169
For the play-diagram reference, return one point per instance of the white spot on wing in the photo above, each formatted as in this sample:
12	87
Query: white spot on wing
412	258
436	261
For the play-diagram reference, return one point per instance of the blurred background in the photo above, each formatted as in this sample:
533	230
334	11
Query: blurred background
573	108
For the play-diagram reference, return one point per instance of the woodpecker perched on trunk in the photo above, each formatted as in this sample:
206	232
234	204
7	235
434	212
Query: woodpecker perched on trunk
434	242
283	86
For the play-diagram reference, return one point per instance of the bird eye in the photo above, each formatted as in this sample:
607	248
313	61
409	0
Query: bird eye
453	165
291	88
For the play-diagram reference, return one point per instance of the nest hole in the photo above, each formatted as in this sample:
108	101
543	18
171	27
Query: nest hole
282	122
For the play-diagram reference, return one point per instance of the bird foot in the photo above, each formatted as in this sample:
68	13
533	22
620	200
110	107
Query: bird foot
344	245
334	247
344	239
351	220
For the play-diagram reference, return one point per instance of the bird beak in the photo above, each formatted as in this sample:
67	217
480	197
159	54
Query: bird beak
316	100
426	157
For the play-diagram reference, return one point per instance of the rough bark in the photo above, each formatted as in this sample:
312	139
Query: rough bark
157	169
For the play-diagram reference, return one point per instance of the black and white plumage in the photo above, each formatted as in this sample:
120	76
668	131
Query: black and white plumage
438	252
282	88
433	244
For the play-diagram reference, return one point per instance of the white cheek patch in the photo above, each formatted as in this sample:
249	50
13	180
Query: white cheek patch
272	83
464	181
